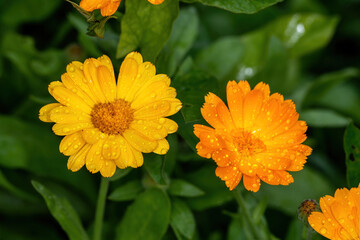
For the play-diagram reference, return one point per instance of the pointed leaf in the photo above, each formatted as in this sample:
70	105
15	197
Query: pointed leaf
324	118
182	220
154	164
63	212
126	192
179	187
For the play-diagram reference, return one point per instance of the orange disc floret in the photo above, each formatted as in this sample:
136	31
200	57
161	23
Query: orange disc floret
257	137
340	216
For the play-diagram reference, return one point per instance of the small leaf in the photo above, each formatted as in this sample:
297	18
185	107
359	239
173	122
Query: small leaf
324	118
239	6
352	151
179	187
63	212
126	192
183	35
154	164
120	173
146	26
182	220
147	218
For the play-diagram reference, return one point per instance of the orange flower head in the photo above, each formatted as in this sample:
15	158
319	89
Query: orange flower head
257	138
340	216
107	7
108	124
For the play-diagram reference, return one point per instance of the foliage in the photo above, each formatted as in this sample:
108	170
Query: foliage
306	50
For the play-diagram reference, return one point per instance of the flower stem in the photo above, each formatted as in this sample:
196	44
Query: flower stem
100	207
241	202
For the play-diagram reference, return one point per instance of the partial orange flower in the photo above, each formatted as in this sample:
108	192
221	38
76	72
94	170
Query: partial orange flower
257	138
107	7
107	124
340	216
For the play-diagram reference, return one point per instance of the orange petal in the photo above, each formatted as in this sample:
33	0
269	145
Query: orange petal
235	100
110	9
210	111
251	183
156	1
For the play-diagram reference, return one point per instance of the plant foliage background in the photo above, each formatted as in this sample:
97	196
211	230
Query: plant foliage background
308	50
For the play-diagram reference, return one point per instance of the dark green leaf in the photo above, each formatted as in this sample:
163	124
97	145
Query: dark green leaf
352	151
182	220
120	173
146	26
147	218
239	6
154	164
243	57
184	32
237	230
18	11
179	187
323	118
6	184
63	212
127	191
216	192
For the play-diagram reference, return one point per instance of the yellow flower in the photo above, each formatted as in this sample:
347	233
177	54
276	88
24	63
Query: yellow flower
258	139
340	216
107	7
107	124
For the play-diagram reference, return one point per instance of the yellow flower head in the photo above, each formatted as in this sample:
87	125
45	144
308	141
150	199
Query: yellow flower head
257	138
108	124
107	7
340	216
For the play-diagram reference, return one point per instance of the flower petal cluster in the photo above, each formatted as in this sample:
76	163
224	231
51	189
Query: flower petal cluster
257	138
340	216
108	124
107	7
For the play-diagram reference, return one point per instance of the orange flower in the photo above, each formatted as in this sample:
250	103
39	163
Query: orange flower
258	139
107	7
340	216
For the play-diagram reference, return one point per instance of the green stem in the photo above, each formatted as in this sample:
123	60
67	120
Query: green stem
241	202
100	207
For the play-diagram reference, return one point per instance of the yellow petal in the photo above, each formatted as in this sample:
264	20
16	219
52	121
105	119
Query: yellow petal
111	147
44	113
68	98
94	158
75	88
162	148
129	157
53	85
154	110
139	141
71	144
77	160
108	168
63	129
136	56
152	129
170	125
90	72
107	83
92	135
63	114
105	61
127	76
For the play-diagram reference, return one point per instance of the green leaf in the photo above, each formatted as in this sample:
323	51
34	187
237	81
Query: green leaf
179	187
127	191
243	57
288	198
120	173
182	220
216	192
19	11
240	6
146	26
6	184
237	230
63	212
183	35
352	151
154	164
325	83
147	218
323	118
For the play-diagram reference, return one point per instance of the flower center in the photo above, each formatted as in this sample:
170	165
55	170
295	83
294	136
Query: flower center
247	144
112	118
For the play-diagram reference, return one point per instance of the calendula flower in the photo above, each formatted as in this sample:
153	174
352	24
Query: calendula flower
108	124
107	7
340	216
257	138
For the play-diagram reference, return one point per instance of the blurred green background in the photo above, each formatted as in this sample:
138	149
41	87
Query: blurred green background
308	50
